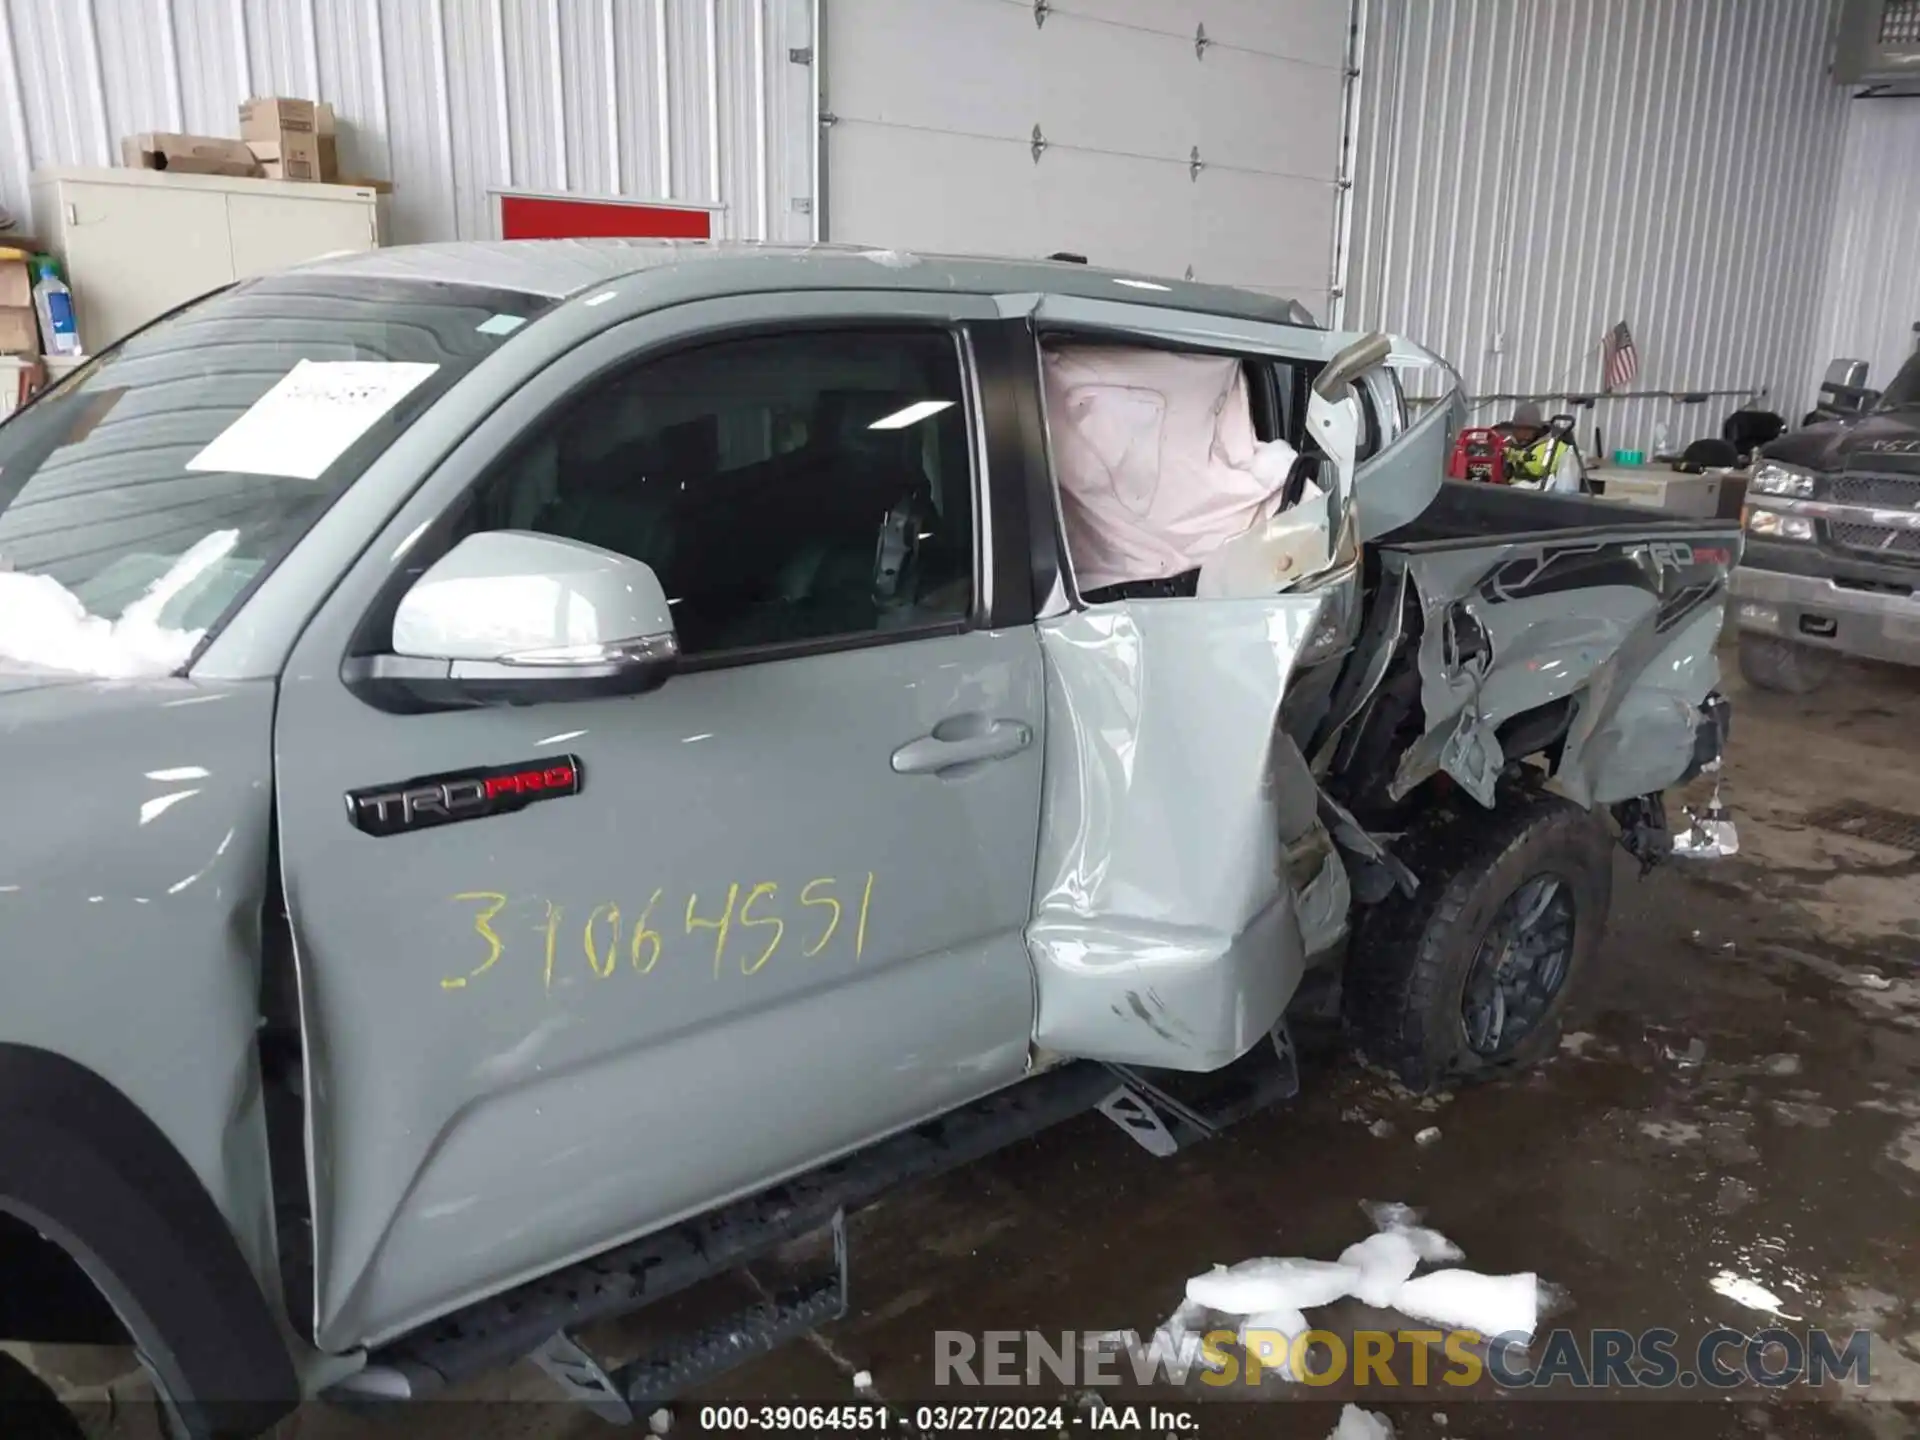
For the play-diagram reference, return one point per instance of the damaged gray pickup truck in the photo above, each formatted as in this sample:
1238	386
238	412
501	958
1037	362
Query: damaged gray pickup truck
539	774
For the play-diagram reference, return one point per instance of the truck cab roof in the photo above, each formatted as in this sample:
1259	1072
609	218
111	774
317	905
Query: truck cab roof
705	269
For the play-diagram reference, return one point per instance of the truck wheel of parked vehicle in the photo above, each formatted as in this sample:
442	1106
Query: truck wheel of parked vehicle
1783	665
1470	972
29	1410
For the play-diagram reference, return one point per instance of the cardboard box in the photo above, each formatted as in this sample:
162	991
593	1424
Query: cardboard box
291	127
269	117
277	163
324	133
20	376
16	284
186	154
19	331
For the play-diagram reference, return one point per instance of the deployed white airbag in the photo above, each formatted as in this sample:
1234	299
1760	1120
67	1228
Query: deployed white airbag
1156	458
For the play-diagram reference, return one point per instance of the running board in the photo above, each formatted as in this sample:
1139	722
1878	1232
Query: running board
1165	1111
622	1395
526	1320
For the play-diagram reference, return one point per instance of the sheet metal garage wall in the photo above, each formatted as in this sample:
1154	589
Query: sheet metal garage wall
1156	135
1872	297
1532	171
688	100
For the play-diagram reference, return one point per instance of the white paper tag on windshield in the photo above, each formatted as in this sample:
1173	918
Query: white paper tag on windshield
307	421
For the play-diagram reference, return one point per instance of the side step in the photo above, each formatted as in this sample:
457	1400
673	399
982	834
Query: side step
689	1360
618	1282
1165	1111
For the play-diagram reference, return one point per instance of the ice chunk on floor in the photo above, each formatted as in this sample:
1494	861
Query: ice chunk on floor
1187	1318
1467	1300
1430	1245
1358	1424
1750	1293
1385	1261
1255	1286
1269	1337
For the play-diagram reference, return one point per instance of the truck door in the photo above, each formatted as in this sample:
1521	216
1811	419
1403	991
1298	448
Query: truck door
1400	472
775	911
1168	927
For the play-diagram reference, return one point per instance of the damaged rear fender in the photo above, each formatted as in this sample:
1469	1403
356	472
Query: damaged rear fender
1635	671
1165	931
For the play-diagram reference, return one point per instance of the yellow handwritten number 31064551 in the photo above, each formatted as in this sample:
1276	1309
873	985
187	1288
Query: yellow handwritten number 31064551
606	940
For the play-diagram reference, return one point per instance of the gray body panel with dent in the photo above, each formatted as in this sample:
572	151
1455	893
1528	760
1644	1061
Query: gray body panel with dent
132	877
1164	928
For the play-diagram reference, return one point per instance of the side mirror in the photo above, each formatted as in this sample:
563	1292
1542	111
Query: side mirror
514	618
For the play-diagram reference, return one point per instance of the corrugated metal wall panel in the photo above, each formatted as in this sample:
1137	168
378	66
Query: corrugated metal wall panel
1872	298
1531	171
692	100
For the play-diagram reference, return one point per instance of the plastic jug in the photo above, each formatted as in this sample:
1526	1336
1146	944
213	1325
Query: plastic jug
54	302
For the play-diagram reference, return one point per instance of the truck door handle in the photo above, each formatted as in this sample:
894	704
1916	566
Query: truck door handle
966	740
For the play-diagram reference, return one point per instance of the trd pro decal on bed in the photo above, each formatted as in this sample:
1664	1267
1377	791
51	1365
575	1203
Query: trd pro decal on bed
1655	566
431	800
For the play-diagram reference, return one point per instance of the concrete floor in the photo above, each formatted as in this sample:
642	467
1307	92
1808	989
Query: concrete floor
1740	1095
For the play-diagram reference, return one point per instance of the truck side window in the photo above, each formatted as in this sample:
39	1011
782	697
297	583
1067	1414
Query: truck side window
1369	439
784	488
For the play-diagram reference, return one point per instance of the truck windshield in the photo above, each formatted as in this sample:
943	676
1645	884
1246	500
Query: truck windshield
1905	389
142	497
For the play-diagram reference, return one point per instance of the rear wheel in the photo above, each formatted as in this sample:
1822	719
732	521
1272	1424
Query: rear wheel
29	1410
1472	972
1784	665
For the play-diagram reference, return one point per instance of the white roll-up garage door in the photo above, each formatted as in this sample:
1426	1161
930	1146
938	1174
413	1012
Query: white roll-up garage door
1169	136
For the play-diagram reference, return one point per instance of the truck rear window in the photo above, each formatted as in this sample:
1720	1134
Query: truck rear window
143	497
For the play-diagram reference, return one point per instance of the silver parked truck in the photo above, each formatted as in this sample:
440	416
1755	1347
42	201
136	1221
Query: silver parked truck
537	774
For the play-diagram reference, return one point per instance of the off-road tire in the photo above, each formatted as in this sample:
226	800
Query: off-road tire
1770	663
1407	970
29	1409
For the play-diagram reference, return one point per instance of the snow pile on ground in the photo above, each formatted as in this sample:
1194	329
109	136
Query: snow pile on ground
1253	1286
1358	1424
1465	1300
1268	1296
1389	1257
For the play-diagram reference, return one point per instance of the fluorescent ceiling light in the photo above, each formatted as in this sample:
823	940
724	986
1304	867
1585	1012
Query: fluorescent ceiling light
1141	284
912	415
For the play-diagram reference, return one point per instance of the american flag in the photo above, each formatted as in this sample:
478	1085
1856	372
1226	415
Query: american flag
1622	358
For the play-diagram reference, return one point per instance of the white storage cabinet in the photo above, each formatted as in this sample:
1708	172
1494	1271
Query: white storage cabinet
136	243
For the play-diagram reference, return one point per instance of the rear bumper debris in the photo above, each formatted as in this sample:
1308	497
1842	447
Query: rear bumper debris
1710	832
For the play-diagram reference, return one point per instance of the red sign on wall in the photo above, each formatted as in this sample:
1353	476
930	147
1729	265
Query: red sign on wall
546	217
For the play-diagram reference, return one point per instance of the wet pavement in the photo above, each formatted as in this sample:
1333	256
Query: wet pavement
1738	1096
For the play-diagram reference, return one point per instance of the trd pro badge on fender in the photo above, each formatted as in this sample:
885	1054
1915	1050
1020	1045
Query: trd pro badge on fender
461	795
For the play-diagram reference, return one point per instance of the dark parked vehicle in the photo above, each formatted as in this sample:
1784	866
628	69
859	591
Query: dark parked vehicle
1832	561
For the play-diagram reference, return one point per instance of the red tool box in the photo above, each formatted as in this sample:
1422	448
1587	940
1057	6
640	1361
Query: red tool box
1479	454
